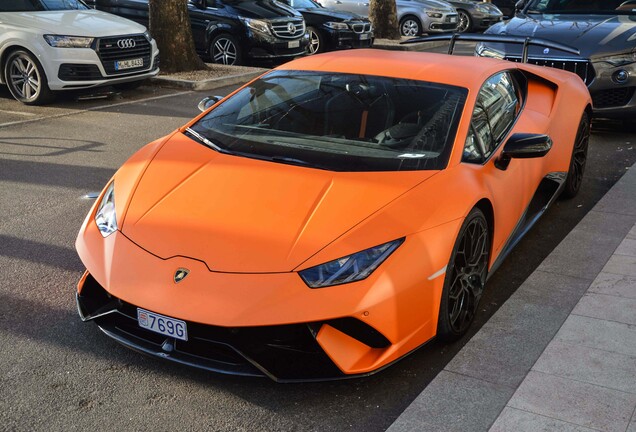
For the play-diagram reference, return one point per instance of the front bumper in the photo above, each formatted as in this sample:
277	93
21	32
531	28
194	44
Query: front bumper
448	22
343	39
268	47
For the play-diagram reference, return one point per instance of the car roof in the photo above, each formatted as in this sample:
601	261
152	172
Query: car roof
462	71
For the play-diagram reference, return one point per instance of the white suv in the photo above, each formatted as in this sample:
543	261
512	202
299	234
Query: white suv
50	45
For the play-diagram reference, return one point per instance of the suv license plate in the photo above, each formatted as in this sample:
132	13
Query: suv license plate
129	64
293	44
162	324
364	36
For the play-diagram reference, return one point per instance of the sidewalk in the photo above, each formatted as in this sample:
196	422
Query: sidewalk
560	354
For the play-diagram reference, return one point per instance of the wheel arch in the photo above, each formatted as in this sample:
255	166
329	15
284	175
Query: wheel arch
489	213
6	51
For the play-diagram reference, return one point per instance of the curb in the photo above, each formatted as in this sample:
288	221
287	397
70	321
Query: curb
208	84
473	389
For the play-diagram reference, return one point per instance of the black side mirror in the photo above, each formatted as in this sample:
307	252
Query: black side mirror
198	3
523	146
207	102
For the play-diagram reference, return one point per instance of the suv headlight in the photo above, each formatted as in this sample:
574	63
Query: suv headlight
105	218
433	14
617	60
59	41
336	25
351	268
256	25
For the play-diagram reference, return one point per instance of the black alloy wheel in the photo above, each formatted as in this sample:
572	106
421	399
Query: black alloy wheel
316	43
26	79
579	159
465	22
465	277
225	49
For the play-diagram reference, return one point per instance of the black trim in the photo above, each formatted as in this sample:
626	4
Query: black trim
548	191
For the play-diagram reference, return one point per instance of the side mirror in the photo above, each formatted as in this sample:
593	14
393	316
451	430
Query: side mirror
207	102
523	146
200	4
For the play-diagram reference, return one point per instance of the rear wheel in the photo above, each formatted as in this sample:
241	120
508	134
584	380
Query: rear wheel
410	26
578	160
316	41
225	49
26	79
465	277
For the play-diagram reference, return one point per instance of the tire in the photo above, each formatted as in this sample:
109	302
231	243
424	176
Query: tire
26	79
465	277
410	26
578	160
316	41
465	22
132	85
225	49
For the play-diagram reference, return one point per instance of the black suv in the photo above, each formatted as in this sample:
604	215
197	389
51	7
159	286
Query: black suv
331	29
231	31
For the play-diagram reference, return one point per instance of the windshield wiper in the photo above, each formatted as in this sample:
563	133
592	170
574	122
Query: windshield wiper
203	140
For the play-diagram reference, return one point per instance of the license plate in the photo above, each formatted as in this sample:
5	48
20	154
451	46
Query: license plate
364	36
162	324
453	19
129	64
293	44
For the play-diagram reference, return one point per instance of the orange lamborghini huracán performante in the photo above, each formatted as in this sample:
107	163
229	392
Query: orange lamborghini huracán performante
332	215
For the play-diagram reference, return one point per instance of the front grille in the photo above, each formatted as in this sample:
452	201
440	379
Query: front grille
282	29
615	97
79	72
110	52
581	67
360	27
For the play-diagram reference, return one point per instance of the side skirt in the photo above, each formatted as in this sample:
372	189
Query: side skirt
548	191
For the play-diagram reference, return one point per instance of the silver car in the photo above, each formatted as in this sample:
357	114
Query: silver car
415	16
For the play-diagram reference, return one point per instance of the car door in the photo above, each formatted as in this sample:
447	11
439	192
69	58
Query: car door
496	110
203	14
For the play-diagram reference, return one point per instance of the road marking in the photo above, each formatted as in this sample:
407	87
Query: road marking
97	108
18	113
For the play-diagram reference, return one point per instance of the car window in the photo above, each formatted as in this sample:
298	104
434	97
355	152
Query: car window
496	109
580	6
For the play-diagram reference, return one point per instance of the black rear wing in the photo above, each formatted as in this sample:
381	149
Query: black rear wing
473	37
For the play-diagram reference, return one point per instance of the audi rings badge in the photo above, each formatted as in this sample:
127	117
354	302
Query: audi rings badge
126	43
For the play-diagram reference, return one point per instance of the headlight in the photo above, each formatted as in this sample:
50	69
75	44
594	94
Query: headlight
147	35
256	25
433	14
336	25
105	218
483	51
350	268
618	59
58	41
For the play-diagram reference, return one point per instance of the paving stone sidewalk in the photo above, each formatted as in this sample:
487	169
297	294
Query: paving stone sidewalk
560	354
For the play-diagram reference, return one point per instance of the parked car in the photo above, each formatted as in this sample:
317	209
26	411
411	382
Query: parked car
415	16
331	29
333	215
603	31
475	15
48	46
232	32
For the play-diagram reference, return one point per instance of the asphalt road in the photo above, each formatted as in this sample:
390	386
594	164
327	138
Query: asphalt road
57	373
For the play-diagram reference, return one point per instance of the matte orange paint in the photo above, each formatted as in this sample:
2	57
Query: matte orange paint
244	227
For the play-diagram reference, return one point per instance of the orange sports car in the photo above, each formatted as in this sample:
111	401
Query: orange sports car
333	215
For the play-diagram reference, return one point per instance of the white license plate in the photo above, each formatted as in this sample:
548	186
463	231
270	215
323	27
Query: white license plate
293	44
365	36
453	19
129	64
162	324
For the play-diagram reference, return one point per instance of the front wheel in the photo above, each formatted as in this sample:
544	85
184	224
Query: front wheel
410	26
578	160
465	277
226	50
465	22
26	79
316	41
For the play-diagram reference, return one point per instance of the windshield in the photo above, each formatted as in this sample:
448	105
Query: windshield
583	6
339	122
302	4
40	5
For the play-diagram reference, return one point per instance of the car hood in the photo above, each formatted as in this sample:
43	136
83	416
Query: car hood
429	4
264	9
591	34
244	215
91	23
332	14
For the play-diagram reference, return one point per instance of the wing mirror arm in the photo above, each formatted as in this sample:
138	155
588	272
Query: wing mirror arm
523	146
207	102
